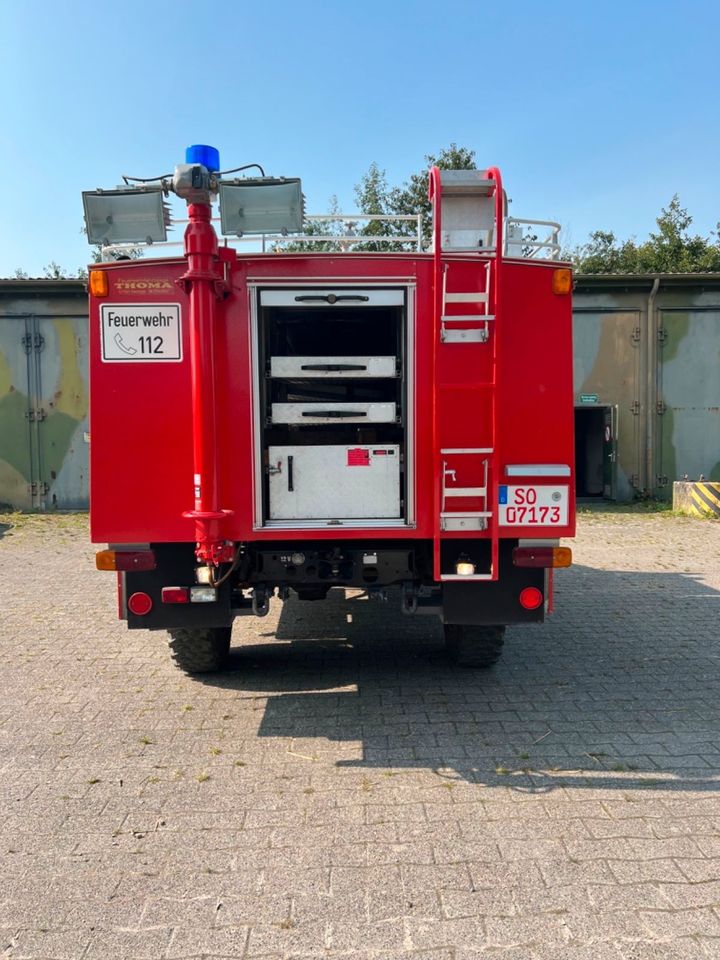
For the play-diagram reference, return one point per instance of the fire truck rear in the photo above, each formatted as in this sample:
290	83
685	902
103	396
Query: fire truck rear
292	422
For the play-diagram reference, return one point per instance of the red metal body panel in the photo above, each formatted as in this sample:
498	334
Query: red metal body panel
141	413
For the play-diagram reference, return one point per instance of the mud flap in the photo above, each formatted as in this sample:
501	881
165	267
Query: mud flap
493	601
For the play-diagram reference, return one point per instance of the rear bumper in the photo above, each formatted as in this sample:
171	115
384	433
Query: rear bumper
309	569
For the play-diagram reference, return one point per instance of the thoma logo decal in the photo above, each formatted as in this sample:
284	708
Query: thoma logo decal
145	285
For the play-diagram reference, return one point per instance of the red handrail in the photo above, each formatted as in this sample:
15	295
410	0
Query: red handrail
434	194
494	174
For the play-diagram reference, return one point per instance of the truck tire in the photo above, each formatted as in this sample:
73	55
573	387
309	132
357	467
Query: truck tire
200	650
473	646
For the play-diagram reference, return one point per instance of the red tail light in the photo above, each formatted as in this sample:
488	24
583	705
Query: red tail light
175	594
140	604
530	598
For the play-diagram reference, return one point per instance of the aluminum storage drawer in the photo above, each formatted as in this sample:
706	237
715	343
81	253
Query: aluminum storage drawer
322	412
335	482
340	367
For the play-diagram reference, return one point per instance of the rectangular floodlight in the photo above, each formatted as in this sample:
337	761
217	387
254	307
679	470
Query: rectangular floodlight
262	205
135	215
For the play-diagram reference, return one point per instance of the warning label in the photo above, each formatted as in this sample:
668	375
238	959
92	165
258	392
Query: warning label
137	332
358	457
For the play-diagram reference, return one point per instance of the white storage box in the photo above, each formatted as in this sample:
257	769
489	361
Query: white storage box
321	411
346	368
335	482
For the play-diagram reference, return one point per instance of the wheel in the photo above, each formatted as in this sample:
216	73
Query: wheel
473	646
200	650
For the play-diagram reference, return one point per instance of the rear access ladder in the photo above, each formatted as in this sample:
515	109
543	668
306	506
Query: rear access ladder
468	211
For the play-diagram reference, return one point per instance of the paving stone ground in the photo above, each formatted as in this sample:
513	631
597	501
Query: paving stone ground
343	792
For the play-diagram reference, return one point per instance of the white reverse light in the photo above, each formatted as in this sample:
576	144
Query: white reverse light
203	594
203	575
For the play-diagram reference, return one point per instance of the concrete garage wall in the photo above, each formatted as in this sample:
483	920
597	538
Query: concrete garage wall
43	394
649	347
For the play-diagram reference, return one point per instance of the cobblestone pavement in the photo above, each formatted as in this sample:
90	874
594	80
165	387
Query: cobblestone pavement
344	793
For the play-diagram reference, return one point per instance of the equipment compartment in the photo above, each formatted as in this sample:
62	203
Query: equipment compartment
332	377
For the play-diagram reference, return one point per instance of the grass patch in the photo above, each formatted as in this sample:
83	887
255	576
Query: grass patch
29	520
636	507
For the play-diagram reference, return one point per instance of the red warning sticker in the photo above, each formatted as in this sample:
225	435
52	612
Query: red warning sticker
357	457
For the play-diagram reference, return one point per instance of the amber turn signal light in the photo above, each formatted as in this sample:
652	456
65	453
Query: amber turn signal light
542	556
98	283
125	560
562	281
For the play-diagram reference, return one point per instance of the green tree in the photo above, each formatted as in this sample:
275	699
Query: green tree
672	249
372	196
412	197
53	271
376	197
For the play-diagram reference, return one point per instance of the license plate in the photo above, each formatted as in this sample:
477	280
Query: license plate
533	506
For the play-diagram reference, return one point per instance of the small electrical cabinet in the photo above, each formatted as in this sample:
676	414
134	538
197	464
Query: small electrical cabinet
334	482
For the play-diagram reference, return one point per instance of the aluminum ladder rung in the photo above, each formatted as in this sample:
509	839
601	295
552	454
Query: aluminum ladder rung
467	183
467	318
465	491
459	576
458	335
467	450
460	523
466	297
462	250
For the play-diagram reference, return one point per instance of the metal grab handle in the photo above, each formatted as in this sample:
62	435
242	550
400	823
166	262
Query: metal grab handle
331	298
333	366
335	414
290	474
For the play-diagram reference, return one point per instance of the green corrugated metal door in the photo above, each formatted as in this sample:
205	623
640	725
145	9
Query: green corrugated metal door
688	414
43	412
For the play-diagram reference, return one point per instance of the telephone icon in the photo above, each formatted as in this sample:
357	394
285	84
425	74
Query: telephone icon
131	351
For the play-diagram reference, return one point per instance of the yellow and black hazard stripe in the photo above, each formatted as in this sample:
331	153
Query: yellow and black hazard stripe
704	500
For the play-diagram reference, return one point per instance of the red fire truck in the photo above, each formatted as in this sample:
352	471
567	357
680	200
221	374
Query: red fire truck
291	422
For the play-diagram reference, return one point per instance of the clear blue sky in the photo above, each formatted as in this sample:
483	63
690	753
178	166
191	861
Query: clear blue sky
597	113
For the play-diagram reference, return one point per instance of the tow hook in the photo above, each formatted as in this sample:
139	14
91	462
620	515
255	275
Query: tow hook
408	598
260	602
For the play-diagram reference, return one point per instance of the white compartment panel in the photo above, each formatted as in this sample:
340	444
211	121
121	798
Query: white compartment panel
370	297
347	412
357	367
335	482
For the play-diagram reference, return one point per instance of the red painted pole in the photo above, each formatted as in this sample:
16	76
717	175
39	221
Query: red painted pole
202	282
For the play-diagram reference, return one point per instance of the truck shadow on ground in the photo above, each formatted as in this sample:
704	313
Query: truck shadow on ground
619	689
